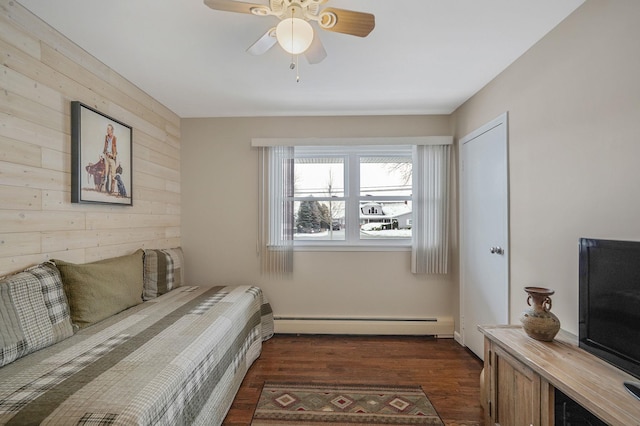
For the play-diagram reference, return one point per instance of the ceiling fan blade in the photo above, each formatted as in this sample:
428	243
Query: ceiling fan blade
347	21
315	53
233	6
264	43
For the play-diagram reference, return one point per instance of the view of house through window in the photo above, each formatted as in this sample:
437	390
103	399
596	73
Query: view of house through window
385	197
352	195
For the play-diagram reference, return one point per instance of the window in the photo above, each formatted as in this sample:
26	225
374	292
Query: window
355	197
352	196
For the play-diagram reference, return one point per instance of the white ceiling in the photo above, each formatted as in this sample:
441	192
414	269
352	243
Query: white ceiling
423	57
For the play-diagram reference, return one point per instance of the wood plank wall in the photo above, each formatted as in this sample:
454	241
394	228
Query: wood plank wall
41	72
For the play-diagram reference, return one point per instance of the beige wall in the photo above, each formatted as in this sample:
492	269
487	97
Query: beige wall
574	119
41	73
219	224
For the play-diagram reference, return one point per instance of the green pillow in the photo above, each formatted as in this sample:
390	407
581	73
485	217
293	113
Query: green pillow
101	289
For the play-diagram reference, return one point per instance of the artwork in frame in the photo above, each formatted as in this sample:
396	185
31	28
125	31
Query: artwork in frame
101	158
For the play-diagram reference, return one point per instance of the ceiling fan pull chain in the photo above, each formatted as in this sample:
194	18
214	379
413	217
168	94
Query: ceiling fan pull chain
293	64
292	35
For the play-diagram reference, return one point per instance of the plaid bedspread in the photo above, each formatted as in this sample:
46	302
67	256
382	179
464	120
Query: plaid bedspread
178	359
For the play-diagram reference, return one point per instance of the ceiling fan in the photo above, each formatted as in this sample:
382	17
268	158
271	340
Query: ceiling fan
294	33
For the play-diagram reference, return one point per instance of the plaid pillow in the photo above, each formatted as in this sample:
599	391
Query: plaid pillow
163	271
35	312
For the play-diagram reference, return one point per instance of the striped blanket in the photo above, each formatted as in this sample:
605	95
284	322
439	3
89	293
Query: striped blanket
178	359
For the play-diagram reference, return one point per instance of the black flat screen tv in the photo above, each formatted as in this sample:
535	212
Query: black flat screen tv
609	301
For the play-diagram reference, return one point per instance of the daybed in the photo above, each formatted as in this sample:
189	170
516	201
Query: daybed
177	358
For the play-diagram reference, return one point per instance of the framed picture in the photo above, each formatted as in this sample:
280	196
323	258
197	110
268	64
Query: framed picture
101	157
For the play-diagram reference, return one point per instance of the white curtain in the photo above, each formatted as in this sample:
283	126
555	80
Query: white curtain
431	187
275	240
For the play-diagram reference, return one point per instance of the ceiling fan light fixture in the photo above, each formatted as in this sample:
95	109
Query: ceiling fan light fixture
294	35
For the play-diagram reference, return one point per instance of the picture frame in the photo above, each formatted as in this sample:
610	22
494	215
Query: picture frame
101	157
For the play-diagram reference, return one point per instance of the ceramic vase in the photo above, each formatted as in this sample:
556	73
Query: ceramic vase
538	321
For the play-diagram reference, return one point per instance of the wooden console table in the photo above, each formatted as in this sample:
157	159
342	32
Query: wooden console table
521	374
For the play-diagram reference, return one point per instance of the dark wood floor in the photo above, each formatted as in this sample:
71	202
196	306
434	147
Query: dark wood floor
448	373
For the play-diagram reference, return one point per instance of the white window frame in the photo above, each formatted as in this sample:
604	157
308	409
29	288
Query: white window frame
351	156
430	205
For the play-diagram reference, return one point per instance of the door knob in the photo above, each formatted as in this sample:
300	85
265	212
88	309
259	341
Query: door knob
496	250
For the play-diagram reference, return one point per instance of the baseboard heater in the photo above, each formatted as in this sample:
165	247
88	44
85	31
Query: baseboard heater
440	327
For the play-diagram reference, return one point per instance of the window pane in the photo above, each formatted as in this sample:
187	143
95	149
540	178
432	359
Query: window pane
319	220
352	195
380	176
385	220
319	177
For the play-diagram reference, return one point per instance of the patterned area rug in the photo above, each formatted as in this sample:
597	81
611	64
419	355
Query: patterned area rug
289	404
